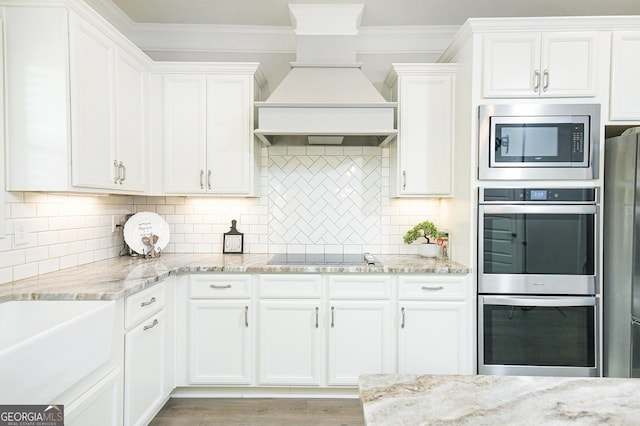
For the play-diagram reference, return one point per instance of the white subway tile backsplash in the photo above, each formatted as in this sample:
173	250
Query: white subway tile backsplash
314	199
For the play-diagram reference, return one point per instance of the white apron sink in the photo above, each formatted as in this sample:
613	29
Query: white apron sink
48	346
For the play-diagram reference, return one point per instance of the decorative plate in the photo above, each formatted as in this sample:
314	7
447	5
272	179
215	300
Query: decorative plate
142	229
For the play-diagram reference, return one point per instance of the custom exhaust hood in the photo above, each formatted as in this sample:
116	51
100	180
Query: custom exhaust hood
326	99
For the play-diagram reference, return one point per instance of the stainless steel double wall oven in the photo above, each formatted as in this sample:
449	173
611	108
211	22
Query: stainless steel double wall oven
538	281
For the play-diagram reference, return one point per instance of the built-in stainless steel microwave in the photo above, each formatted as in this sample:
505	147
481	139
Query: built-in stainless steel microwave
538	142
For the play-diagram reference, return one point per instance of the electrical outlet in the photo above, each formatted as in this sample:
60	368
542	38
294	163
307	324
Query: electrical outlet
20	232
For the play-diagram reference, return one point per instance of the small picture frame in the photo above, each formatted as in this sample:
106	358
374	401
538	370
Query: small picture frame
233	241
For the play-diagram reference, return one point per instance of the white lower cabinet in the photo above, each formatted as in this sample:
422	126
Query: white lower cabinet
220	332
146	351
434	330
220	342
360	327
359	340
290	350
323	330
100	405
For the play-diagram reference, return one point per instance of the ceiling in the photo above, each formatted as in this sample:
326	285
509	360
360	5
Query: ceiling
376	12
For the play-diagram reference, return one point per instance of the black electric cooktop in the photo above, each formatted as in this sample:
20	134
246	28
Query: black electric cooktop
323	259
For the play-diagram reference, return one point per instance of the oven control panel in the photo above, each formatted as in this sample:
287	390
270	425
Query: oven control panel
538	195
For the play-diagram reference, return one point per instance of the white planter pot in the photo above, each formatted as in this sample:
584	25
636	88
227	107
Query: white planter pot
427	250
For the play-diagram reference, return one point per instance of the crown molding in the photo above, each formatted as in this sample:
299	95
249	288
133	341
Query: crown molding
432	39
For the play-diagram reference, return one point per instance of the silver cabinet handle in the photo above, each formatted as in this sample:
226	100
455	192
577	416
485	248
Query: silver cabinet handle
153	324
333	312
246	316
438	288
404	179
402	312
209	178
152	300
317	315
545	80
536	80
201	179
219	286
124	172
116	169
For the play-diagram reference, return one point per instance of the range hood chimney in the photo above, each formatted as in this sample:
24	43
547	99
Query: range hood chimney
326	99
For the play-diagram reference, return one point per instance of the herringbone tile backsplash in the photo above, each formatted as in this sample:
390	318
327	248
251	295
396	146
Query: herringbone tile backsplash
325	200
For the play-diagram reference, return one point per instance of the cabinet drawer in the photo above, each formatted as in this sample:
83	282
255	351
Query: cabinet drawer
142	304
290	286
359	287
220	286
432	287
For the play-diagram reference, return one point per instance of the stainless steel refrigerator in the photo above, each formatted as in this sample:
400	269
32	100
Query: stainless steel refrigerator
621	255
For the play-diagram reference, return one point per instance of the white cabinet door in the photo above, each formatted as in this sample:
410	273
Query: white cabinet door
144	369
229	134
511	65
534	64
131	123
425	134
290	349
625	76
432	338
185	134
360	340
568	64
220	350
93	147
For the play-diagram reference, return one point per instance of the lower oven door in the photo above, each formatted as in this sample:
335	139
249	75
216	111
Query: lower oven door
538	335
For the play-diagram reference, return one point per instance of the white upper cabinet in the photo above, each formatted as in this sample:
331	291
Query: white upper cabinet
108	104
539	64
132	149
76	104
420	156
92	57
625	76
209	146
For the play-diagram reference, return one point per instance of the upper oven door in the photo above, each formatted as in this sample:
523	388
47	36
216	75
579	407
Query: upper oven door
537	249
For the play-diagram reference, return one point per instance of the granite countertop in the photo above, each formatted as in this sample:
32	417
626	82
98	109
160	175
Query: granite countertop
396	399
123	276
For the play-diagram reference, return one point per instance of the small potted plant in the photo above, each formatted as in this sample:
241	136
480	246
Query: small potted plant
425	233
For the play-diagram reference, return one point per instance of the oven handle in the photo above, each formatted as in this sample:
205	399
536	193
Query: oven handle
545	301
539	209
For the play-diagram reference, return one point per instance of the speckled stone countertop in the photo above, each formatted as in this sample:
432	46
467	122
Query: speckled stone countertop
395	399
120	277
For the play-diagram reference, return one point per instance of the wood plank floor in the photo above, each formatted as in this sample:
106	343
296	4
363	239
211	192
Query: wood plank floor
260	411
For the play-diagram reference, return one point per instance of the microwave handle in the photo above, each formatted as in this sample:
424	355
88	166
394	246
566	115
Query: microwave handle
547	301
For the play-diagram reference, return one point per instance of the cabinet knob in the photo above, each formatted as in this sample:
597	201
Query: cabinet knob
402	313
536	80
246	316
333	309
209	179
201	179
404	179
317	316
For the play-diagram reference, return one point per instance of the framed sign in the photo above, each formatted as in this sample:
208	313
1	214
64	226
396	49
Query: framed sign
233	241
